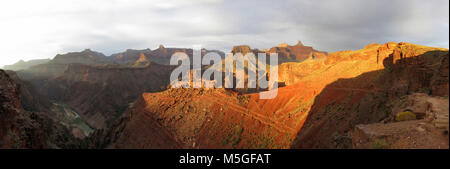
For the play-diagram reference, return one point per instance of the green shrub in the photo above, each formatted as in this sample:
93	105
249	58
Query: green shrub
380	144
243	100
405	116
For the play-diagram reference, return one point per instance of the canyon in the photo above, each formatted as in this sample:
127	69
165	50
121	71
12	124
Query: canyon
392	95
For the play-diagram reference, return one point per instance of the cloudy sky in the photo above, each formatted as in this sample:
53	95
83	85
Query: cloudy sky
31	29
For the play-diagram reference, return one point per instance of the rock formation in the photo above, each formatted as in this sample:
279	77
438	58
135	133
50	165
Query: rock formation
345	99
286	53
24	129
426	130
364	92
21	65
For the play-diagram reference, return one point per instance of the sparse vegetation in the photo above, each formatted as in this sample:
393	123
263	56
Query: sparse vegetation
236	137
243	100
380	144
405	116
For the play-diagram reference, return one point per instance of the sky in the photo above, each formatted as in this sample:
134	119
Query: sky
31	29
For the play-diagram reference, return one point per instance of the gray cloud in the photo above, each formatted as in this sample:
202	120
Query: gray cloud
42	29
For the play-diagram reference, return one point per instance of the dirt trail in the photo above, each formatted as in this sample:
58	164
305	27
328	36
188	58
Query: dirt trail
355	89
337	88
261	118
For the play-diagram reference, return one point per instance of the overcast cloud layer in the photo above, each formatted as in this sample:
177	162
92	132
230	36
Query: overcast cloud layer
33	29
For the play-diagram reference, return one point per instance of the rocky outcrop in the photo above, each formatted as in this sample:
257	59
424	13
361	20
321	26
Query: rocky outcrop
298	52
429	128
133	130
416	134
286	53
433	109
142	61
244	49
366	98
20	128
195	118
31	99
10	105
440	81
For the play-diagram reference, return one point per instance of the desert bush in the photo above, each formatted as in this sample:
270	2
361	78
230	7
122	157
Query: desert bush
243	100
380	144
405	116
